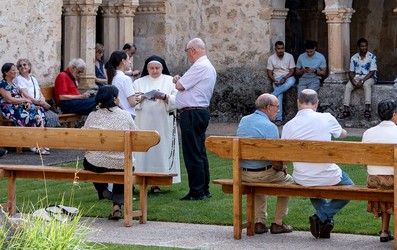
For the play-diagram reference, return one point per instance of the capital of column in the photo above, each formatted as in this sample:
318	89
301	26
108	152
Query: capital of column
88	9
340	15
151	8
79	10
279	14
109	11
70	10
126	10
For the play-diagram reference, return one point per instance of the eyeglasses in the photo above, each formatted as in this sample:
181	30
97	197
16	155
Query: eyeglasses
186	50
22	65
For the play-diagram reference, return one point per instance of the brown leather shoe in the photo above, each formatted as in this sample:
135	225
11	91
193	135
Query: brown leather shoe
260	228
279	229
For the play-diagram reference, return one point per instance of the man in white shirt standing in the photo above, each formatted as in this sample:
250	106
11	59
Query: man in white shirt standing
195	90
311	125
280	70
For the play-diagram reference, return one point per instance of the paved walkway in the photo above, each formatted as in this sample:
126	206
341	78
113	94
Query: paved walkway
194	236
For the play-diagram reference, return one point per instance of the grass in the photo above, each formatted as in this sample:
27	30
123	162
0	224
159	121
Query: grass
216	210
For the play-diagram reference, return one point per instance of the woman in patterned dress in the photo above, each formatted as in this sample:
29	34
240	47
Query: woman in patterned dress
14	106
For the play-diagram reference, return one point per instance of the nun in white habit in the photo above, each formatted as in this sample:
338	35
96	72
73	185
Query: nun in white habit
156	111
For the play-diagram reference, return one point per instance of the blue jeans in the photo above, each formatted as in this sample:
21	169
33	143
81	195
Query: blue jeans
326	210
278	92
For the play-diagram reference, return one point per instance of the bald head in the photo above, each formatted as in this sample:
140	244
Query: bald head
308	98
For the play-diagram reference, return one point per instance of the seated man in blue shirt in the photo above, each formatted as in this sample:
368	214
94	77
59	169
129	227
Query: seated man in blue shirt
312	66
259	125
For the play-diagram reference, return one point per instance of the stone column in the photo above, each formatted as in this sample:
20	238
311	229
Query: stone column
277	25
71	36
110	27
126	11
88	14
338	19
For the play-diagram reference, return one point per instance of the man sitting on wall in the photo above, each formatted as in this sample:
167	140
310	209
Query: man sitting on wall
362	74
67	95
280	70
312	66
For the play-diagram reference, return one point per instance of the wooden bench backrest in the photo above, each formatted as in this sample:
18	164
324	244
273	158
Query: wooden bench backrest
86	139
48	92
83	139
302	151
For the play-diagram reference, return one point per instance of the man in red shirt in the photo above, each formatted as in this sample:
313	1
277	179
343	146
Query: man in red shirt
67	95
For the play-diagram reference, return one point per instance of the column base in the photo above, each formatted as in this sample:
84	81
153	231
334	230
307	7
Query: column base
337	77
87	83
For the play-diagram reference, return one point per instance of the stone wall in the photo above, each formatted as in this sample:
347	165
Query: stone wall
32	29
237	35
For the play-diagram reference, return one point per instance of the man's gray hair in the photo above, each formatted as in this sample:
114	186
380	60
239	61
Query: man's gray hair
77	62
196	43
263	101
307	96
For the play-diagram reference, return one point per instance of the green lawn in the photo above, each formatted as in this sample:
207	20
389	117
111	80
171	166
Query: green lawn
216	210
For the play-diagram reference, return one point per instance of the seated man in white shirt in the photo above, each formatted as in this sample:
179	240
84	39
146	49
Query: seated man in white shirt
311	125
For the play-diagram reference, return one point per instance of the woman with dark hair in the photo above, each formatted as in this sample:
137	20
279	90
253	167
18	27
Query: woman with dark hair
108	116
156	111
118	63
381	177
14	105
100	72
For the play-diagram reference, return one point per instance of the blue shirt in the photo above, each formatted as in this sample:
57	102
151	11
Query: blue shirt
362	67
257	125
316	61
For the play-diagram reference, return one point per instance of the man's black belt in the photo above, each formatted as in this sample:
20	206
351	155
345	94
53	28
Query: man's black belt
258	169
192	108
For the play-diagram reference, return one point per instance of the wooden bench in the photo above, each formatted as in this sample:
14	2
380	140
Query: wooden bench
84	139
301	151
48	93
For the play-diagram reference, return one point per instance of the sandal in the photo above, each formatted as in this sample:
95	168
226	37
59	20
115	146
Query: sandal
367	114
115	215
346	114
155	190
42	151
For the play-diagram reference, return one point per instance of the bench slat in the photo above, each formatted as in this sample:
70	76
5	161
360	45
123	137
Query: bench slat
304	151
83	139
334	192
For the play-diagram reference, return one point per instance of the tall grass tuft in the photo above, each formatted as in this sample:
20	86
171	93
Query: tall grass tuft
36	233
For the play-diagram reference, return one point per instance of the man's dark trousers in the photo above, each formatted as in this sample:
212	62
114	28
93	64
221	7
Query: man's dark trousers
193	125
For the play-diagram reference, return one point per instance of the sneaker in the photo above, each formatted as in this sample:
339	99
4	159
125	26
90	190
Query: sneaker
260	228
279	229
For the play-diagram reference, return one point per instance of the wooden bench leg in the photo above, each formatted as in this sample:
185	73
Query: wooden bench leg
11	193
143	202
69	124
19	150
250	214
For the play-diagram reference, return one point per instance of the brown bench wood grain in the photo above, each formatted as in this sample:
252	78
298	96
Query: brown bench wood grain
84	139
237	149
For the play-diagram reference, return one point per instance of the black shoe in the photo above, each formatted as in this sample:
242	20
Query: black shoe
208	194
315	224
3	152
326	229
190	197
